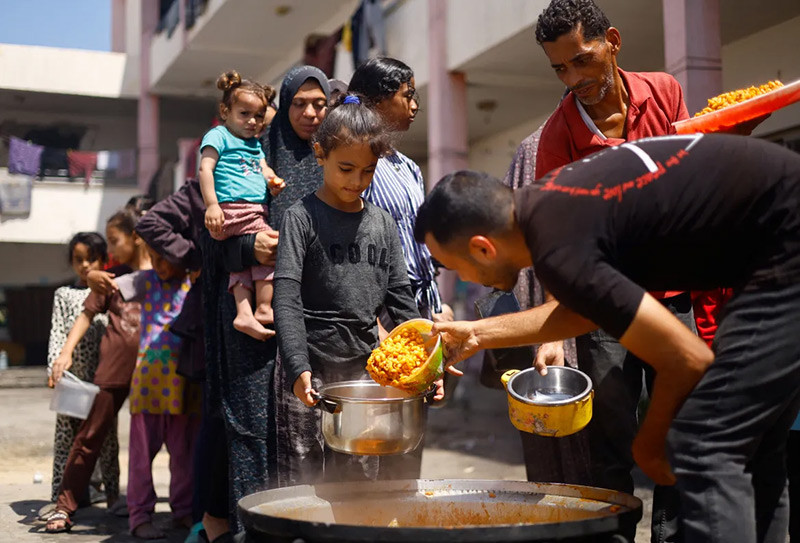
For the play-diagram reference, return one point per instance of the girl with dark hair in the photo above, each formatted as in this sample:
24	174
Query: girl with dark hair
87	252
237	183
339	261
117	359
387	86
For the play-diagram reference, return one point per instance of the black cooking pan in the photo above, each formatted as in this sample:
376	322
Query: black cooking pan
436	511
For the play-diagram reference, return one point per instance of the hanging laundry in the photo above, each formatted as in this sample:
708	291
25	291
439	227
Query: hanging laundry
369	31
102	160
82	163
121	164
15	195
24	157
54	160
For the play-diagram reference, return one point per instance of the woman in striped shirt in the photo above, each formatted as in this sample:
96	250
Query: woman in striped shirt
387	86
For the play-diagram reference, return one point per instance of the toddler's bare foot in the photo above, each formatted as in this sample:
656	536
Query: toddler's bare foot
148	531
252	328
264	315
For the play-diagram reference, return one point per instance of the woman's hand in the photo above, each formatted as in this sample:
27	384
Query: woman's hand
101	282
446	315
303	390
549	354
60	365
266	247
215	218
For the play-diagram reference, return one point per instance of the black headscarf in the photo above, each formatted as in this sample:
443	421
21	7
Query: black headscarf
292	158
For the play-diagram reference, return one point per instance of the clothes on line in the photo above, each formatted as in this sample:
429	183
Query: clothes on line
24	157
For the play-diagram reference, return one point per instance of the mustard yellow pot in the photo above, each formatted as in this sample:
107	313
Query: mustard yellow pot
555	405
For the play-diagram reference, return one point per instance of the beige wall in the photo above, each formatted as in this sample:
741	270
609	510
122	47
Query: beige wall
33	264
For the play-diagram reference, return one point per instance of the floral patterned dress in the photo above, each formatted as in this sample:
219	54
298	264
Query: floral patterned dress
156	387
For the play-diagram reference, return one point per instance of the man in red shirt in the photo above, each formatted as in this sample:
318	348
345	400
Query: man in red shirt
606	107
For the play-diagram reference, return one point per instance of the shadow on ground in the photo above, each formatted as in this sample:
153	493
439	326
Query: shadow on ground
96	521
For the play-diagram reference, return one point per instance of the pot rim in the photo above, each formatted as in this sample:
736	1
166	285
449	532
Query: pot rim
573	399
345	399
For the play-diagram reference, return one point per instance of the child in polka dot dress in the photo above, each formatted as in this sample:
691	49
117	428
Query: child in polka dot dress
164	405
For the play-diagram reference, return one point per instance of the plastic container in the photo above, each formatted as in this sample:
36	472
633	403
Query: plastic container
73	397
730	116
420	380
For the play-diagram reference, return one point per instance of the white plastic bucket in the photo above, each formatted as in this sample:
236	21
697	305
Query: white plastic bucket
73	397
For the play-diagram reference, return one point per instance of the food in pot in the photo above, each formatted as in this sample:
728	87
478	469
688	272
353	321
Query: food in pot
734	97
397	357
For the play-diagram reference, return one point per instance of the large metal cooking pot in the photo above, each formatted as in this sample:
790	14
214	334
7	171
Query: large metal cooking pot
554	405
437	511
363	417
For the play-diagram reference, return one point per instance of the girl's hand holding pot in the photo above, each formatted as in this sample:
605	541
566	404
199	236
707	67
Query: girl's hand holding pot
303	390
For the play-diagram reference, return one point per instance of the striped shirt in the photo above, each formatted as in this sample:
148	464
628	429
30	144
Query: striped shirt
397	187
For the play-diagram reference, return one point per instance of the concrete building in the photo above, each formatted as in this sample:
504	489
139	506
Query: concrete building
484	85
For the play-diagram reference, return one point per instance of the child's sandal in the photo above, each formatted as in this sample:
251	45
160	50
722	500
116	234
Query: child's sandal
57	523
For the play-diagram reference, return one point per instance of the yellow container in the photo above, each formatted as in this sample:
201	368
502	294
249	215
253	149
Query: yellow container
421	379
555	405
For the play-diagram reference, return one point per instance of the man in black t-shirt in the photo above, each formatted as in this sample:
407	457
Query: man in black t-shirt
602	232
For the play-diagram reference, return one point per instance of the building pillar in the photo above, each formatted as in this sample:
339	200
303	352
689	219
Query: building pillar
148	113
693	48
118	26
447	116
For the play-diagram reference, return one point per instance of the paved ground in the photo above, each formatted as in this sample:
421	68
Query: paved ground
470	438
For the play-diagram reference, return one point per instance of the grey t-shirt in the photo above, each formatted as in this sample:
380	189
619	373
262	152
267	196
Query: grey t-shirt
334	271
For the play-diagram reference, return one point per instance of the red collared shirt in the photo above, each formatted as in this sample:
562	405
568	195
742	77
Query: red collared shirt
656	101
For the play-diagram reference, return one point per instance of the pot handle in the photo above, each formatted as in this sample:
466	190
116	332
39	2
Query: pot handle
507	376
429	394
324	403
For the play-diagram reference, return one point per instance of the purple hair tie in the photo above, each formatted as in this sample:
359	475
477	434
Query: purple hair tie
351	99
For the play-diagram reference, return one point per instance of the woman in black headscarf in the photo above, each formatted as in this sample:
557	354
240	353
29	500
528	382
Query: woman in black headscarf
303	104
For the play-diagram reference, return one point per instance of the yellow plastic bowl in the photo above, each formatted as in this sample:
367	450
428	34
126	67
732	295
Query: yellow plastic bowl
432	369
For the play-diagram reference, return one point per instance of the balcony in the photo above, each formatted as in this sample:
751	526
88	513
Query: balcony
259	38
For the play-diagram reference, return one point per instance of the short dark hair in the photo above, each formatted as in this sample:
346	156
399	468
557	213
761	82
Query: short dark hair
98	249
563	16
464	204
353	122
379	78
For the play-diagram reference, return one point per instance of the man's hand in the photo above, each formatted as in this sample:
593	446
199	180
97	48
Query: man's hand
549	354
214	219
266	247
459	341
303	390
60	365
101	282
649	452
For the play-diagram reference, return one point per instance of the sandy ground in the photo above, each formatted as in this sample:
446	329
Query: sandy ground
470	438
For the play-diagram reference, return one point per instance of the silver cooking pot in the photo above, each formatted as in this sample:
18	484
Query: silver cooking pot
362	417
